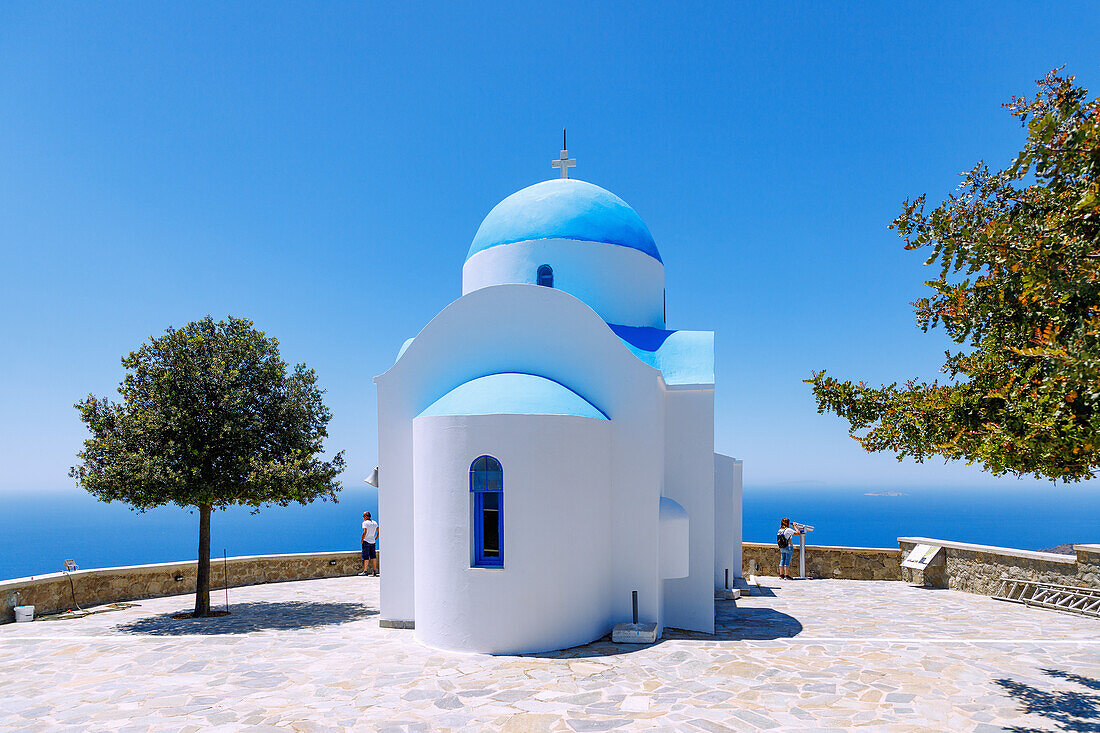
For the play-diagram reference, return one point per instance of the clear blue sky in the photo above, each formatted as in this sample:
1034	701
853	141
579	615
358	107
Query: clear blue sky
321	168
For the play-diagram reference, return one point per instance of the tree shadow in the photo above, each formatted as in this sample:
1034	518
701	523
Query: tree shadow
1083	681
1070	710
244	618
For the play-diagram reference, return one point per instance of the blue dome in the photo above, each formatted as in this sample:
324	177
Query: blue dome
564	208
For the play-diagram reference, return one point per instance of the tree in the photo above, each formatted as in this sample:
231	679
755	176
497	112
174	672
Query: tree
209	419
1018	253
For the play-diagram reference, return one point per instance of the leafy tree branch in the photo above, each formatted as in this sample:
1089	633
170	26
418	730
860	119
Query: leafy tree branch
1018	253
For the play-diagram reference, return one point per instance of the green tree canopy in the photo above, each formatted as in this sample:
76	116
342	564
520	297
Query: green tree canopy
1018	253
209	418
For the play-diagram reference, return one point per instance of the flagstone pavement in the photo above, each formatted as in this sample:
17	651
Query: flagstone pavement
805	655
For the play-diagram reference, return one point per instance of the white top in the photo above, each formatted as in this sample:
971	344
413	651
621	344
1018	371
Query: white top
371	528
788	532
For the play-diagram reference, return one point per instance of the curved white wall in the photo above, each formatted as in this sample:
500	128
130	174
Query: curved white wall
673	534
623	285
532	330
554	589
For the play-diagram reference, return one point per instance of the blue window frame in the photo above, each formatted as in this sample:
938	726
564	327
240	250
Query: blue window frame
546	276
487	492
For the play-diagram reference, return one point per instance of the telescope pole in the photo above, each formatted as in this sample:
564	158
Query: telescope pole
802	556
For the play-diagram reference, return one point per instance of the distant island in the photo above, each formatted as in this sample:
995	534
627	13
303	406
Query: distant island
884	493
1060	550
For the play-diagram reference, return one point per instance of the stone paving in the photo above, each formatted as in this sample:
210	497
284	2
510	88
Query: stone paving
804	655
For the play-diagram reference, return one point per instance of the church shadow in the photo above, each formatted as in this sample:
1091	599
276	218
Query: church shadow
245	618
763	591
603	647
730	624
1070	710
734	623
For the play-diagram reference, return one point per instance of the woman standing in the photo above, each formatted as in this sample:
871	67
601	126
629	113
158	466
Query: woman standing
786	550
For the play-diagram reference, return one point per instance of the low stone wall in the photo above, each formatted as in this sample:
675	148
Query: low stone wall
53	593
1088	565
822	561
979	568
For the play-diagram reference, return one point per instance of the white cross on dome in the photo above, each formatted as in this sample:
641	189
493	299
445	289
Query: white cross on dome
565	162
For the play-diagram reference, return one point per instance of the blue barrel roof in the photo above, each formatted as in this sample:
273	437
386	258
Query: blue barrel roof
513	394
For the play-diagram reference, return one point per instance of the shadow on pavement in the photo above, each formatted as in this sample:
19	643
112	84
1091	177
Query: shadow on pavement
1070	710
600	648
732	623
257	616
763	591
1084	681
918	586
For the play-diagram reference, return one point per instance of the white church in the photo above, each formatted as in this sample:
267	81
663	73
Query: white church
546	443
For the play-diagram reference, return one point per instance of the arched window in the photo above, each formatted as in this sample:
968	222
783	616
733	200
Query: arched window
546	276
487	492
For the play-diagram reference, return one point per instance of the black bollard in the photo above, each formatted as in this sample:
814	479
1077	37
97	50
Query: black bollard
727	578
634	603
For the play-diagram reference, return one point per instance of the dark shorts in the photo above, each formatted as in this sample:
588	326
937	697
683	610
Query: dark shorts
368	551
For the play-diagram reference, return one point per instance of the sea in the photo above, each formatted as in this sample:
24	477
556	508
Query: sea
40	530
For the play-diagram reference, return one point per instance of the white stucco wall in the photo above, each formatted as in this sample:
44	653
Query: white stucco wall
727	519
554	589
689	480
547	332
675	536
621	284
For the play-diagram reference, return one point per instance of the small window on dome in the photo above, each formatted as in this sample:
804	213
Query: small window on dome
546	276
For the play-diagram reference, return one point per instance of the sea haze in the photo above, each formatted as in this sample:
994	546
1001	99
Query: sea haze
1025	518
42	530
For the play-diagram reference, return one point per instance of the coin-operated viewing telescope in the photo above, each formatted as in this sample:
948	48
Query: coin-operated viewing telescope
802	529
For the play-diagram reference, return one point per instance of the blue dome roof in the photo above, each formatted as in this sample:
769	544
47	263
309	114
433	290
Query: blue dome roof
564	208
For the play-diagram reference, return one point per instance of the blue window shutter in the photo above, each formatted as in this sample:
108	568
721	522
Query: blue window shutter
487	491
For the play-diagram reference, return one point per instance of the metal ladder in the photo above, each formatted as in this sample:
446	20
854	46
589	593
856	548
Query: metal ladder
1047	595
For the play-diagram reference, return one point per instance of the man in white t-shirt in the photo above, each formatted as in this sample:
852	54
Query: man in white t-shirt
370	545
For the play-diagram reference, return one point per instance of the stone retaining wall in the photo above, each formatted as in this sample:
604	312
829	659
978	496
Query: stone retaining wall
1088	565
850	563
970	568
979	568
53	593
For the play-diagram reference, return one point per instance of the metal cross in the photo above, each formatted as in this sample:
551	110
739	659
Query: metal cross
565	162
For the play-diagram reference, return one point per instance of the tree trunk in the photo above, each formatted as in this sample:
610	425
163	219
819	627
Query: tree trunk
202	582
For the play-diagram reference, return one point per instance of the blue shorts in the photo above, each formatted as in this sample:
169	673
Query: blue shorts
785	555
368	551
